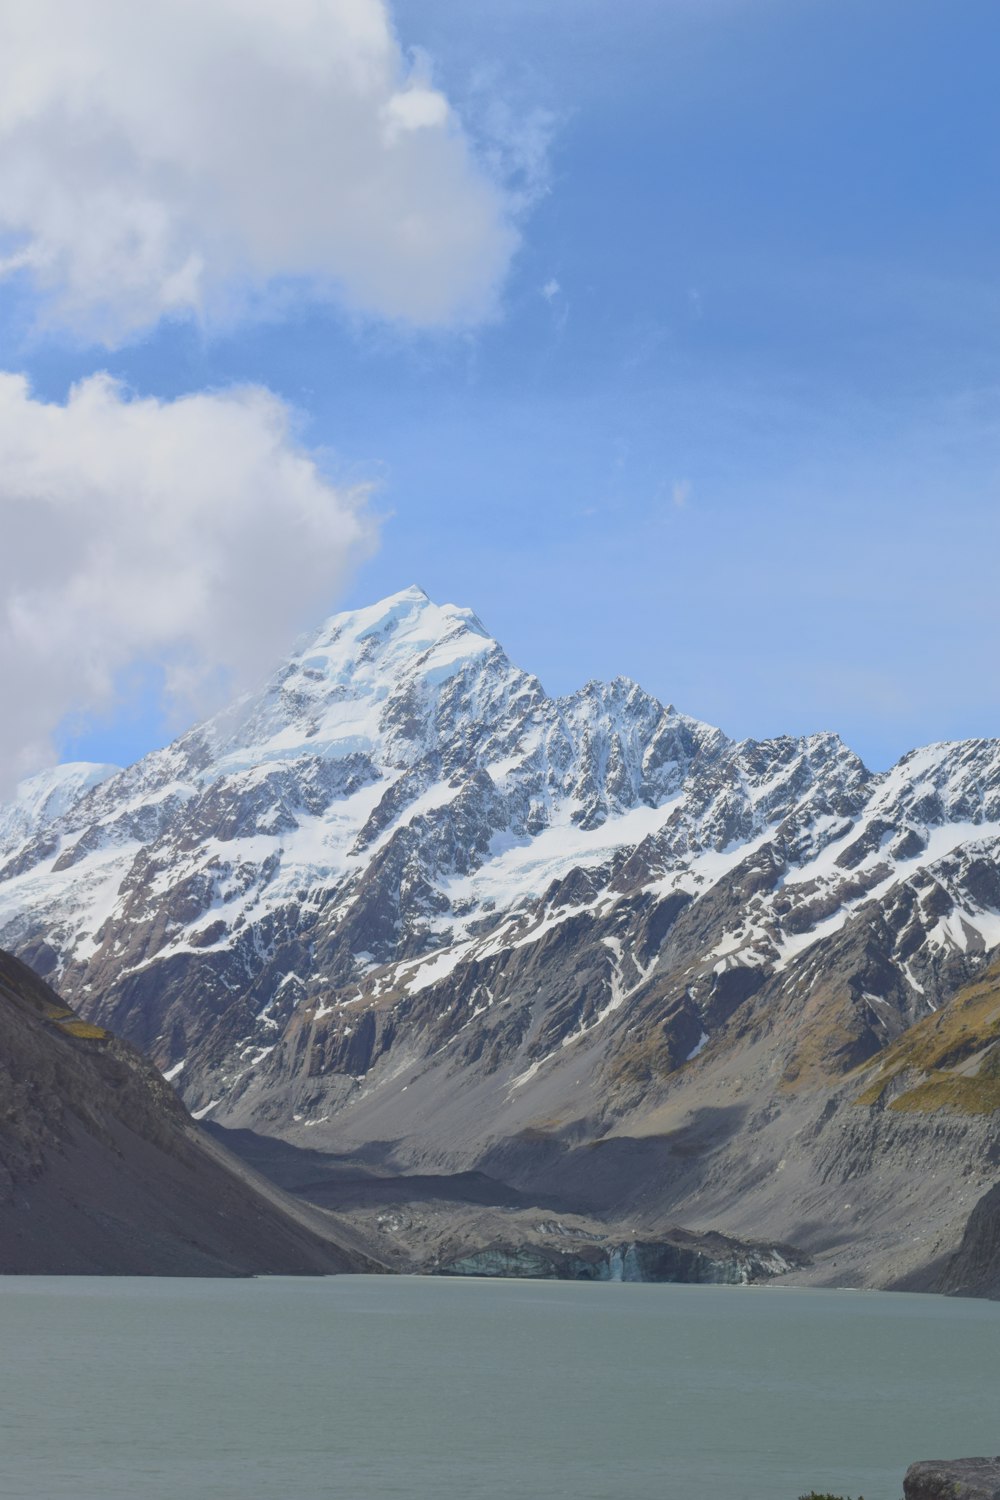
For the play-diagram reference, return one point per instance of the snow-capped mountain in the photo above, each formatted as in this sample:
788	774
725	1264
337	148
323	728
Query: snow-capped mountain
402	894
42	799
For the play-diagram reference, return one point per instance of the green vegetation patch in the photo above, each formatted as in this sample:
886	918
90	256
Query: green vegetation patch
82	1029
939	1044
644	1062
965	1096
58	1012
815	1495
827	1045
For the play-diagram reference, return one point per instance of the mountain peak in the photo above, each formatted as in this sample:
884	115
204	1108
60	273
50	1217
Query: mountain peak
365	674
408	619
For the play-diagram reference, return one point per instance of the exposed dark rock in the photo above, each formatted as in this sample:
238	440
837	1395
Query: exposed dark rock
974	1270
953	1479
102	1171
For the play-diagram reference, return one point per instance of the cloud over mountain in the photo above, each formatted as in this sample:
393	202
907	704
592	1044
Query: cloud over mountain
191	532
179	156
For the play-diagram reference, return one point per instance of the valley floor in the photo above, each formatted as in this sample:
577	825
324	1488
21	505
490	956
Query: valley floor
549	1221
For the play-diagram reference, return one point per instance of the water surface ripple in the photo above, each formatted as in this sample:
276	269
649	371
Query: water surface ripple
368	1388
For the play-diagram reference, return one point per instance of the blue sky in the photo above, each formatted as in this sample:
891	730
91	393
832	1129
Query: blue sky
731	428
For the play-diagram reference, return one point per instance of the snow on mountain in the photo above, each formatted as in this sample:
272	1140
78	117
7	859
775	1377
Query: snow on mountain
40	799
402	859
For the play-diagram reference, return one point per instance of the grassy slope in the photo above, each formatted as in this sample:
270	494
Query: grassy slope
948	1061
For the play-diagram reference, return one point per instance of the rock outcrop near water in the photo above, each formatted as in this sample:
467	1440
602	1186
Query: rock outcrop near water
953	1479
102	1171
405	904
974	1270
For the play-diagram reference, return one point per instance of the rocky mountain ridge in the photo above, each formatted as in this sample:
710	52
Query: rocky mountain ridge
403	900
103	1172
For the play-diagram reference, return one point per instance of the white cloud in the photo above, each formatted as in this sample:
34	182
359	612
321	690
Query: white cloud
169	157
190	533
551	289
681	493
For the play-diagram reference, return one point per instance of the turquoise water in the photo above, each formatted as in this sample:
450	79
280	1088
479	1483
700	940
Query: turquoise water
377	1387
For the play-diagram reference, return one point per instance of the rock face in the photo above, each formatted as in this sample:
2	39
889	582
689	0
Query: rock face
955	1479
974	1270
102	1171
402	900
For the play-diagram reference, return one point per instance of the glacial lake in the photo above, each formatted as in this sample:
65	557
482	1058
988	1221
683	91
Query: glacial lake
366	1388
